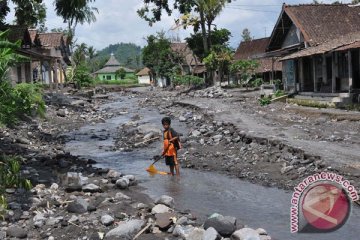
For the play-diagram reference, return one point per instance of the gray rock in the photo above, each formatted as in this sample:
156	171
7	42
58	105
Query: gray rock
160	208
126	230
211	234
62	112
182	119
39	220
2	235
53	221
16	232
78	206
166	200
74	219
23	141
261	231
92	188
107	220
225	226
196	234
131	178
182	221
245	234
74	181
217	137
195	133
182	231
113	174
121	196
164	220
122	183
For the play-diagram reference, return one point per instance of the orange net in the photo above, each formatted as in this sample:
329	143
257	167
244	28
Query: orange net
152	170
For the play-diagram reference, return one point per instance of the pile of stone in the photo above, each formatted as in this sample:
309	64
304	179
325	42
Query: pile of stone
211	92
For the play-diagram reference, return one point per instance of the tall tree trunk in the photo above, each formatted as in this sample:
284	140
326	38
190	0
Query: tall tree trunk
209	34
204	34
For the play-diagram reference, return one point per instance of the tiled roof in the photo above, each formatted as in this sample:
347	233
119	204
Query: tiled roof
255	49
17	33
186	53
113	69
112	61
144	72
322	22
49	40
251	49
349	41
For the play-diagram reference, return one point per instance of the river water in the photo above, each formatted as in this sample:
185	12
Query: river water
203	193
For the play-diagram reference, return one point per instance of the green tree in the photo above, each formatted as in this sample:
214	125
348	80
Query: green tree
219	60
218	37
121	73
91	51
246	69
30	13
157	56
74	12
246	35
207	11
355	1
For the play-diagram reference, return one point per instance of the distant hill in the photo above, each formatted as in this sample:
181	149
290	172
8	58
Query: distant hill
128	54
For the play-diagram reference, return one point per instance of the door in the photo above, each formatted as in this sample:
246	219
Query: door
355	58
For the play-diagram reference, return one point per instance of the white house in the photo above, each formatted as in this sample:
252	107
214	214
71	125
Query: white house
144	76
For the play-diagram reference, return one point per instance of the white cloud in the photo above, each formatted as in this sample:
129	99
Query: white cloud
118	21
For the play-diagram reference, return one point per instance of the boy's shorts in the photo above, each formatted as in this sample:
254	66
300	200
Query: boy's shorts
170	160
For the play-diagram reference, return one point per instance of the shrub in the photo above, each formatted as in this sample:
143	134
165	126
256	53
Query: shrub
10	177
82	77
188	80
265	101
257	82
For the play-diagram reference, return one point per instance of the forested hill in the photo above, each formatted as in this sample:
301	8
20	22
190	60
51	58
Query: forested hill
128	54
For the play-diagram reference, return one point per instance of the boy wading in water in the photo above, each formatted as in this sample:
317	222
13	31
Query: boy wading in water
171	144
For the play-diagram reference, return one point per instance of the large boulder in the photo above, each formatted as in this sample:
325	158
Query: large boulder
92	188
196	234
74	181
16	232
160	208
166	200
79	205
107	220
245	234
122	183
211	234
225	226
182	231
164	220
126	230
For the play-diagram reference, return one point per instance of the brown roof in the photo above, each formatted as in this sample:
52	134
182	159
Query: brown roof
317	22
349	41
144	72
183	50
17	33
251	49
255	50
50	40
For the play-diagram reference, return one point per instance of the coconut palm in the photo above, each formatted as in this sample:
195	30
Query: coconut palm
74	12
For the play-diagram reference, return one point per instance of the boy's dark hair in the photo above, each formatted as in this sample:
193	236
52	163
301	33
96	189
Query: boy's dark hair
166	120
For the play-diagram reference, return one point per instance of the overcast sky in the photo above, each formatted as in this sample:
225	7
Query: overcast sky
118	21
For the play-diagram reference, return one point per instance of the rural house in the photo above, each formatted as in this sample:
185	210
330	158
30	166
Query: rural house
269	68
319	46
108	72
144	76
46	56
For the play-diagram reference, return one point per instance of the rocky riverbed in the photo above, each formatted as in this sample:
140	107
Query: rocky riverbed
71	199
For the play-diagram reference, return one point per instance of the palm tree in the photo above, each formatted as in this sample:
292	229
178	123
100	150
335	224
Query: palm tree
91	52
80	54
74	12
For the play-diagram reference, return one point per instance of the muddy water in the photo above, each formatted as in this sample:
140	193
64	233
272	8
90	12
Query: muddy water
201	192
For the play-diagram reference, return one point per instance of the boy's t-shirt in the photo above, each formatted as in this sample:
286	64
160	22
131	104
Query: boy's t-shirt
168	134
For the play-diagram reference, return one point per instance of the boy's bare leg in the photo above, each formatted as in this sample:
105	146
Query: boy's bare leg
177	169
172	170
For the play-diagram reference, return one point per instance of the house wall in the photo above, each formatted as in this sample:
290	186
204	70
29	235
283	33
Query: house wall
112	76
293	37
289	75
144	79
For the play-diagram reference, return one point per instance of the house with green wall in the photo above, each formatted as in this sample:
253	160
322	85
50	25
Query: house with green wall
108	72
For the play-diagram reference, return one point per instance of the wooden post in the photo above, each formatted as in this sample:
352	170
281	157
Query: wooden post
23	73
314	73
350	71
50	75
31	72
324	70
56	74
301	73
334	70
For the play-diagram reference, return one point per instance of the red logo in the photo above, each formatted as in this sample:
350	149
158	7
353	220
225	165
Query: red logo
326	207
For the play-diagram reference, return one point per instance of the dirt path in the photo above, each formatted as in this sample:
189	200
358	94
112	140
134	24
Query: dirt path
334	153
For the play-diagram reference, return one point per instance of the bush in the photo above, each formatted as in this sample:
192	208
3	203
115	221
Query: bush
82	77
23	99
279	93
257	82
265	101
188	80
10	177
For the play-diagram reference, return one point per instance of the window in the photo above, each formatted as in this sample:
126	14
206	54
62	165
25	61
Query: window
104	77
108	77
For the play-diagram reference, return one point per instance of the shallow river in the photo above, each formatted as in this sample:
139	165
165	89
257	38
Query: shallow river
201	192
